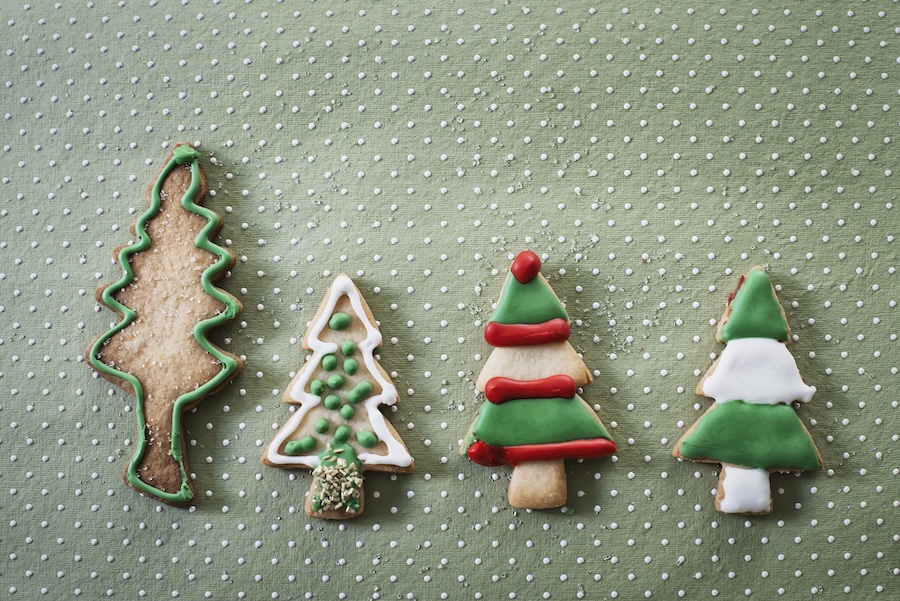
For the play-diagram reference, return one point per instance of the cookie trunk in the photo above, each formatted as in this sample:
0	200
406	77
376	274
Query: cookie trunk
344	513
538	484
159	462
743	490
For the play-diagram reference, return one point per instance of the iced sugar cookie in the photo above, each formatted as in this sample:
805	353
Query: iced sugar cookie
752	428
533	418
337	429
167	304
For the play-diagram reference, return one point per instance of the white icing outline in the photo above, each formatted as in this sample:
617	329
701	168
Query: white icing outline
397	454
745	490
759	371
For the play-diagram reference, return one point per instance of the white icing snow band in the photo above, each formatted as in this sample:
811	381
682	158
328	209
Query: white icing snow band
757	370
397	454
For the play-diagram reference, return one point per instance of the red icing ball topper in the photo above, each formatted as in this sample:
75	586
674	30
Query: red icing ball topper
526	266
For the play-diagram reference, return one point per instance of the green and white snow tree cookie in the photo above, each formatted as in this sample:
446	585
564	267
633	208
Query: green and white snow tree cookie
752	428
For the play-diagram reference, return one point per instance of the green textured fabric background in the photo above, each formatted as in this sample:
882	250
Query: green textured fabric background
649	155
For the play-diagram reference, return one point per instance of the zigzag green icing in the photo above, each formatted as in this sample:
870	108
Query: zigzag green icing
182	155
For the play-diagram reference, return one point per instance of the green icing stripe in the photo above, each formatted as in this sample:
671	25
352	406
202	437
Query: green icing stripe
530	303
536	421
181	156
750	435
755	312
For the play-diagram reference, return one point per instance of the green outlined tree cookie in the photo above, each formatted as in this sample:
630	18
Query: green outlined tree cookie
338	430
167	304
752	428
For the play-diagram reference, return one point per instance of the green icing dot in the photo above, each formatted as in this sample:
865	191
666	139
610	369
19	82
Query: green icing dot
348	347
347	411
317	387
329	362
342	434
298	447
350	366
359	392
367	439
321	426
339	321
332	401
335	381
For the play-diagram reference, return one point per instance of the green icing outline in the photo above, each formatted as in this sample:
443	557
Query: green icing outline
180	156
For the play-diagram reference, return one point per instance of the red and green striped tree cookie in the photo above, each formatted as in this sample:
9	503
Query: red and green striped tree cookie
533	418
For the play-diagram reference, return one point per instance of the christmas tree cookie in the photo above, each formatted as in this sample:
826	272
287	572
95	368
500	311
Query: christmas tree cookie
533	418
167	303
752	428
338	430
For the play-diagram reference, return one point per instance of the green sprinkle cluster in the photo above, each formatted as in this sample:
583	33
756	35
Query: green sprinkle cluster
337	481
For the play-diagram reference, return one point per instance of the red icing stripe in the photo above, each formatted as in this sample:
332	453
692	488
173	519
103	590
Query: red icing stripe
526	266
526	334
500	390
734	292
488	455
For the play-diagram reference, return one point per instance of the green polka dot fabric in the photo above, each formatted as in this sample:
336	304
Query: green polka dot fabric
650	154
